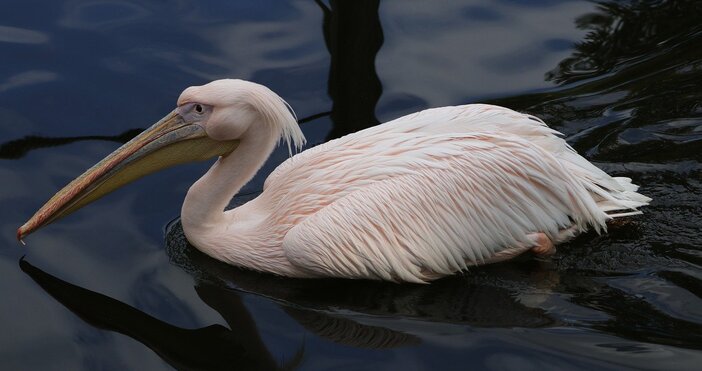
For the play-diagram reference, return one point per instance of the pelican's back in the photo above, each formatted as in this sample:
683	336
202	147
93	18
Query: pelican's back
616	196
474	177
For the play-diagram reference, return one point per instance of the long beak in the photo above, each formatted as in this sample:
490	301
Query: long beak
169	142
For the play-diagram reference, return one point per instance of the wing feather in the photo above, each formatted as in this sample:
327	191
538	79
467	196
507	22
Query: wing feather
466	198
484	118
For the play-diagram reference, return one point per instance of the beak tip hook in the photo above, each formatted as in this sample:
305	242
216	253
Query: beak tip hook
20	235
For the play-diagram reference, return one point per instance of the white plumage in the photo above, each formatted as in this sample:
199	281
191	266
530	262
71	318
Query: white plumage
417	198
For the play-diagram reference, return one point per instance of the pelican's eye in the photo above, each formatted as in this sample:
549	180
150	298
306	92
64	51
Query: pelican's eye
194	112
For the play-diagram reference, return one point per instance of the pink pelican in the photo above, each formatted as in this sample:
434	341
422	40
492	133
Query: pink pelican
415	199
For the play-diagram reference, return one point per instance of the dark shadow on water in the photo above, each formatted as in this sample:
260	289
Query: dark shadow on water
208	348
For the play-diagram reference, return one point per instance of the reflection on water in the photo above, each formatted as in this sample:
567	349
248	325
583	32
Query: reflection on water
336	310
211	347
621	80
507	295
630	90
620	35
353	35
454	300
17	148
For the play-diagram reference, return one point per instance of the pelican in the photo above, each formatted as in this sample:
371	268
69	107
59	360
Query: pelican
412	200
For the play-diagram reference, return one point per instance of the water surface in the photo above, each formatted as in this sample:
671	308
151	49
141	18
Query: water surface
116	286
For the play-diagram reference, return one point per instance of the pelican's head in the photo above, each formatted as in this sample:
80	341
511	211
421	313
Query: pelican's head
210	121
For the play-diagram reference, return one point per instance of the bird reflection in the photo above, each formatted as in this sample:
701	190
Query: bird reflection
331	309
208	348
336	309
457	300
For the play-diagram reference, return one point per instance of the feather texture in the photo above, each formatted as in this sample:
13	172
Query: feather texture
420	197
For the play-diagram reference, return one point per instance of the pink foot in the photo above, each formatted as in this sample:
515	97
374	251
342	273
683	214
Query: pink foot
544	246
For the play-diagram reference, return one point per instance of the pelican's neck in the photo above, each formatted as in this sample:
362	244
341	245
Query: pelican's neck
207	198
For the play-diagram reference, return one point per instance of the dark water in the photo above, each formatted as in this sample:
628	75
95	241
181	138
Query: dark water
115	286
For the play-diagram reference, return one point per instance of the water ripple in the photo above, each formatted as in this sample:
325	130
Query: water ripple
22	35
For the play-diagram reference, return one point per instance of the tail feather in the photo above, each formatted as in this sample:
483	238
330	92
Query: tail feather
630	213
615	196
